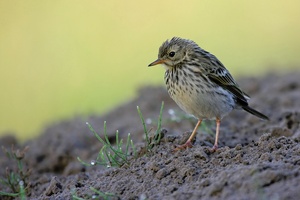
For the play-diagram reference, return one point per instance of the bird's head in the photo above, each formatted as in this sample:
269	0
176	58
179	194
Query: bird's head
173	52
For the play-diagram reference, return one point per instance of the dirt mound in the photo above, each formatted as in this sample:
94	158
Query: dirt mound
256	159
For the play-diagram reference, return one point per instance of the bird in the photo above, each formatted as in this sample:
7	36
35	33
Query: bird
200	85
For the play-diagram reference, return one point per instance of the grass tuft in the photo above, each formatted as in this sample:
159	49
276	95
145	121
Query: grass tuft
109	155
116	156
16	179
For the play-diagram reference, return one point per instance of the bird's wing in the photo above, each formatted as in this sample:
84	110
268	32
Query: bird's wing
222	77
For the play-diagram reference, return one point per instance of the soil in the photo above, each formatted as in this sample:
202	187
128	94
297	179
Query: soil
256	159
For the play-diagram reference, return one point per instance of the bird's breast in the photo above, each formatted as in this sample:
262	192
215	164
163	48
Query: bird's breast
197	96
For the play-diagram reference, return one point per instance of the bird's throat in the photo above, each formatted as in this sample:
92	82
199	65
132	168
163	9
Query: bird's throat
167	67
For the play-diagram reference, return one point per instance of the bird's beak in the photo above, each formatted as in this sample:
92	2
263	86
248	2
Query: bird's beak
158	61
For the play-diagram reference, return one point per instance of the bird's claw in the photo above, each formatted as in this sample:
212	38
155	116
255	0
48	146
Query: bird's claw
186	145
214	149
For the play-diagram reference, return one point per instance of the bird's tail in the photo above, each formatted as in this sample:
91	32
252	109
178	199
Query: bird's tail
256	113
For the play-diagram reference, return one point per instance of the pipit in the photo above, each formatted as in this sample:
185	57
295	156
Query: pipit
200	84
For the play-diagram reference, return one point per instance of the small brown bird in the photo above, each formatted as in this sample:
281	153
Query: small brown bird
200	84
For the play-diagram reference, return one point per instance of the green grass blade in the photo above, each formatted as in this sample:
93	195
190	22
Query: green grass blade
9	194
104	195
133	149
117	139
144	124
3	181
95	133
84	163
74	197
105	135
127	144
158	130
22	192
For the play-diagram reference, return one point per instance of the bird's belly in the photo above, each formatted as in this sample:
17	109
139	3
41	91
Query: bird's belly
203	105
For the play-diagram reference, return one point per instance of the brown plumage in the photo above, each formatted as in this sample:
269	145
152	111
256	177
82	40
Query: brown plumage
200	84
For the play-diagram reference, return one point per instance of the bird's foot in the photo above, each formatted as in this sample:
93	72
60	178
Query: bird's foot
186	145
214	149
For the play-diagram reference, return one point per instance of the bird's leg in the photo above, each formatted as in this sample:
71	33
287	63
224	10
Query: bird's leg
215	147
188	143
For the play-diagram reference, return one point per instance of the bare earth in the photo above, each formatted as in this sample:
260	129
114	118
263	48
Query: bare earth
256	159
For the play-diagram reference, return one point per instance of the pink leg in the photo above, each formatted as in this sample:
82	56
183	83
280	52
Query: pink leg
188	143
215	147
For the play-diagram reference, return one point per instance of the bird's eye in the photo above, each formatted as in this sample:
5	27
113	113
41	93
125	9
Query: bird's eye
172	54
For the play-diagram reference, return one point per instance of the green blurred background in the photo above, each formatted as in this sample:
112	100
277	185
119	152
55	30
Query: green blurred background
62	58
